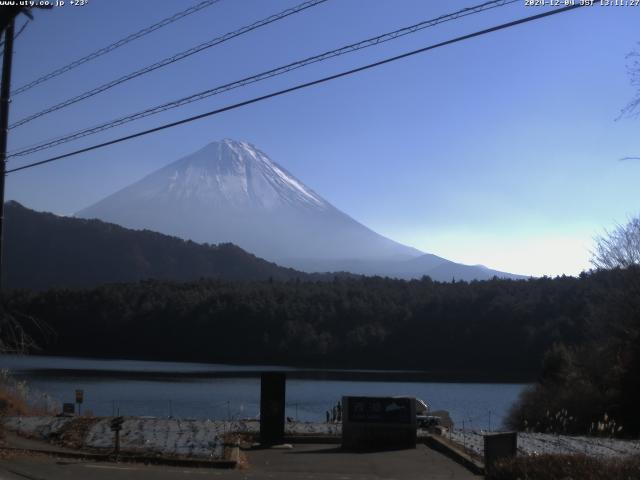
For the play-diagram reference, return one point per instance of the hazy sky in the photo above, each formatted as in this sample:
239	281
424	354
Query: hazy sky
503	150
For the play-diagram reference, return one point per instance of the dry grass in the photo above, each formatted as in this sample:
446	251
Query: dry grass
12	403
17	400
567	467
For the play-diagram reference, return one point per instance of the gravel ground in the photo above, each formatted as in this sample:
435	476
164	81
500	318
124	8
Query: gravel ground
537	443
205	438
165	436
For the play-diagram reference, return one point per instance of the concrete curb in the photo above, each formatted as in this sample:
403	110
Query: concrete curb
128	458
455	454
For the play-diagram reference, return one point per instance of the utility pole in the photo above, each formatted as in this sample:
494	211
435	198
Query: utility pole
5	94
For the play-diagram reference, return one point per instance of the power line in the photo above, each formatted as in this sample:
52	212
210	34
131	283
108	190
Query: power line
24	25
301	86
262	76
172	59
113	46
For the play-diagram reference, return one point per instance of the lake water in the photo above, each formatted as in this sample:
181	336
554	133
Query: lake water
193	390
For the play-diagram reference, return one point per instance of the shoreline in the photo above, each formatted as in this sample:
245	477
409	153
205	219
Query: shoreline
201	370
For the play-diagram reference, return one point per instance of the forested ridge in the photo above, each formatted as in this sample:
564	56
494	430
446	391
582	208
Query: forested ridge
578	339
490	329
43	250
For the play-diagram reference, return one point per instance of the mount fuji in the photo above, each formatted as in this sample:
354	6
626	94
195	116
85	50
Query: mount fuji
230	191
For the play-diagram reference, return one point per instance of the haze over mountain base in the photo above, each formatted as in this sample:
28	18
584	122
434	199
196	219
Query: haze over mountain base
43	251
231	192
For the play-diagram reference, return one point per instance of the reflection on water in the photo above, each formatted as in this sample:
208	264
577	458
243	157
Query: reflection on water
195	390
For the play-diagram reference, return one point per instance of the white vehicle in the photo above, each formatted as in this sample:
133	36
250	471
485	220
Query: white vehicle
423	418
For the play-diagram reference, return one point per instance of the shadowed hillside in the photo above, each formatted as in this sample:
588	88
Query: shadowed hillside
43	250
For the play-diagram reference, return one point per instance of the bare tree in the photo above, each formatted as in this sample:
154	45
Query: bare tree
633	68
13	337
619	247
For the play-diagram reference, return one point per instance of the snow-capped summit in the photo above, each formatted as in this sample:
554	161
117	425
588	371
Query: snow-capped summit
230	191
239	174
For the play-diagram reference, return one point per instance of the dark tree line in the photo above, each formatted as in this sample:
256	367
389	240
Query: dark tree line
578	337
593	386
496	329
43	250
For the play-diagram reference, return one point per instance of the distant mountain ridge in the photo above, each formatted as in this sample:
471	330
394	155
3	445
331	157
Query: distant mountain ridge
232	192
229	191
430	265
43	250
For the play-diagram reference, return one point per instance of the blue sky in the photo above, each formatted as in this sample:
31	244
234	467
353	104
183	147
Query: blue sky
503	150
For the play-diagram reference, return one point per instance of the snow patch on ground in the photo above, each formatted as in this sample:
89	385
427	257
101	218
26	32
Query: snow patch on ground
205	438
39	427
538	443
162	436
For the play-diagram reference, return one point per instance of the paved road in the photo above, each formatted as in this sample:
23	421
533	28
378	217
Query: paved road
328	462
313	462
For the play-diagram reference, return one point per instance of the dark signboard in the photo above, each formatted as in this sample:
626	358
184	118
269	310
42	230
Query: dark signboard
498	446
68	408
116	423
380	410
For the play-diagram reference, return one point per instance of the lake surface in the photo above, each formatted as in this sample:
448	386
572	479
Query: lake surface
195	390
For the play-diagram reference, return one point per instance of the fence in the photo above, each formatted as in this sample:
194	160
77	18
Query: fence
469	430
229	410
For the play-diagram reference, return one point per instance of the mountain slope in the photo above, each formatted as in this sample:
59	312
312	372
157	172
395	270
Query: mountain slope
430	265
230	191
43	250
